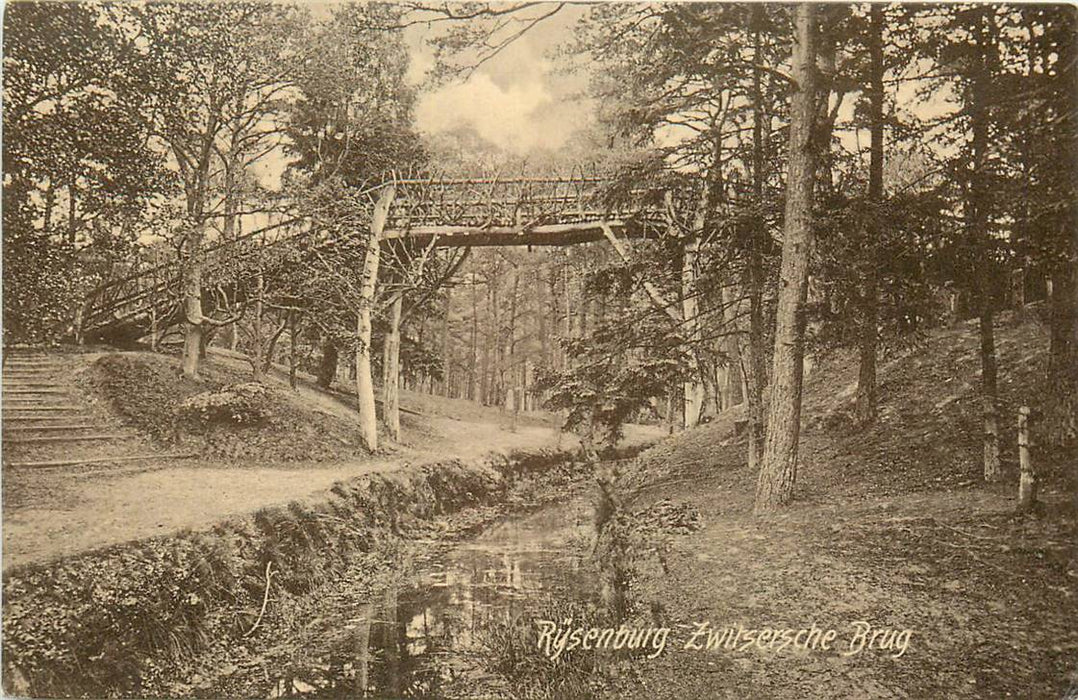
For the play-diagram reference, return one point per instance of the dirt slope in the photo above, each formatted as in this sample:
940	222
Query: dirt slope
892	526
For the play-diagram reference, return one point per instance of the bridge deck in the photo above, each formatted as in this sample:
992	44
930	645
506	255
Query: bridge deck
543	235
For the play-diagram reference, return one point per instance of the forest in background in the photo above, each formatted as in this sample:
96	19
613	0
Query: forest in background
833	176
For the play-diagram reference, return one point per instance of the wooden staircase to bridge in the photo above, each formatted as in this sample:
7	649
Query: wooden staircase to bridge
424	212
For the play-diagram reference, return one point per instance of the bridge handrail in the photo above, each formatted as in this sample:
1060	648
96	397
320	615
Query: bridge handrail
422	200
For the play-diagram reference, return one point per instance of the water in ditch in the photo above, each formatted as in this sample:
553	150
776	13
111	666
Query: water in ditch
431	633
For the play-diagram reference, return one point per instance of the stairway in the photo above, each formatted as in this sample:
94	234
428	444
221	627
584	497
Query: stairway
49	422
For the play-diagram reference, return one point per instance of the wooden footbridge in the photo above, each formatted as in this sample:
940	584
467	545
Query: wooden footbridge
438	212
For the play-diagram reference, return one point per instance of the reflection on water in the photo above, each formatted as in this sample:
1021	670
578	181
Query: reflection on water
426	634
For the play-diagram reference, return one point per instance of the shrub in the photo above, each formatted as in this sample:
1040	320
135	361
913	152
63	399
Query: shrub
235	404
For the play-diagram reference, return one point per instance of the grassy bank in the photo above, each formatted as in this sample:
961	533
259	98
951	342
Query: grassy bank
148	392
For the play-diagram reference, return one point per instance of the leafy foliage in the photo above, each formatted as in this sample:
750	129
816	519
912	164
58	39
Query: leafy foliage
38	292
914	257
612	375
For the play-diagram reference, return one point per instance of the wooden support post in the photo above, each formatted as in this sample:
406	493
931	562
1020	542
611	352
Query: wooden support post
1027	485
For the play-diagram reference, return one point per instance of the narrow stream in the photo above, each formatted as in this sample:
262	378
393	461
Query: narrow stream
428	633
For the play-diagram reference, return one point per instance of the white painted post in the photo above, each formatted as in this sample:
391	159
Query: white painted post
1027	484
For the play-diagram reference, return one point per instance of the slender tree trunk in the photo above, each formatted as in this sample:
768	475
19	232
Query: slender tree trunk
567	295
361	643
511	341
732	343
230	198
192	301
1061	404
447	360
50	204
779	470
293	340
270	346
391	383
229	232
258	341
979	239
368	421
865	408
989	394
494	366
72	200
473	386
754	370
694	386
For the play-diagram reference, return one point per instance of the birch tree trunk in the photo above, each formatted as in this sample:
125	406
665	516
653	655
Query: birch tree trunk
779	470
368	421
258	342
192	301
391	382
447	360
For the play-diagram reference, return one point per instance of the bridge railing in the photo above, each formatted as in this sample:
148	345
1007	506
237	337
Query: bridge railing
493	201
420	203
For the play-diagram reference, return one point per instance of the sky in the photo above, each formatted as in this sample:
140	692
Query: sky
519	100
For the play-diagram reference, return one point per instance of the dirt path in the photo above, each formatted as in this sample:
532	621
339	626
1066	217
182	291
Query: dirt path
50	513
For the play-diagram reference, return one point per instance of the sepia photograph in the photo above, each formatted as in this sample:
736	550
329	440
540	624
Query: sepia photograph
539	350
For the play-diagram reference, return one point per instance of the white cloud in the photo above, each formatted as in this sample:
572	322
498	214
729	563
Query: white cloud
509	117
518	100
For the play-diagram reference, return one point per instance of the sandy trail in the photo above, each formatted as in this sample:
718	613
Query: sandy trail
57	512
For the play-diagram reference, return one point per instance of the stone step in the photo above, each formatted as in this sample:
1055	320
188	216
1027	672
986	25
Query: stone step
66	438
23	402
99	460
50	428
32	383
24	419
34	364
43	391
31	407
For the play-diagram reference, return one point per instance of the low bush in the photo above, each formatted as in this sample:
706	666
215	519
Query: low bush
235	404
219	415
